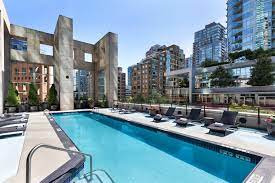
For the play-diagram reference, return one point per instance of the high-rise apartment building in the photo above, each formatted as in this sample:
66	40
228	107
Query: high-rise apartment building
121	84
149	75
250	24
210	44
129	80
188	62
81	84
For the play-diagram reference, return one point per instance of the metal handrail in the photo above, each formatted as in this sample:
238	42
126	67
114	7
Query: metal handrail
34	149
108	175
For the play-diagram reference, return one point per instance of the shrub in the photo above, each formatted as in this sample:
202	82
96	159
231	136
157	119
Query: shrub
52	98
12	98
33	97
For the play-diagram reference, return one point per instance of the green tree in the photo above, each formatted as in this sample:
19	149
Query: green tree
52	98
209	63
261	74
33	96
184	83
12	98
130	99
139	99
156	98
221	78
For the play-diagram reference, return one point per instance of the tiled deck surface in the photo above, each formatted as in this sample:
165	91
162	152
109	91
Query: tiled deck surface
45	161
10	153
243	139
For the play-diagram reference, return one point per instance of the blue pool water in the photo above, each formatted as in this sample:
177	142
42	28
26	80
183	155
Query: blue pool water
132	154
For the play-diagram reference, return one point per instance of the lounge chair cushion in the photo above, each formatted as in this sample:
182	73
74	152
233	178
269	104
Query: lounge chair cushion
223	128
218	124
158	117
183	121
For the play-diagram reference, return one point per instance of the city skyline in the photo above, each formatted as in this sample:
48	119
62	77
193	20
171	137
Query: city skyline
129	24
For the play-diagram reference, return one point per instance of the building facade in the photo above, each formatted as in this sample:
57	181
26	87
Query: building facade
121	84
129	79
22	74
81	84
250	24
67	54
149	75
210	44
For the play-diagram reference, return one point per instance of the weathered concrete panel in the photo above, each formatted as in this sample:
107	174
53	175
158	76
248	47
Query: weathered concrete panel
64	58
4	56
68	54
107	52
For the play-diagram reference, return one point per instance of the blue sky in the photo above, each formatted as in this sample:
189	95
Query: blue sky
138	23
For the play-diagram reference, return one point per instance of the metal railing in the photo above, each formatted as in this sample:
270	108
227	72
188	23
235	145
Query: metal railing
34	149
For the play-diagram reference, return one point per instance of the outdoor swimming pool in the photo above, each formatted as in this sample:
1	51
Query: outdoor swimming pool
133	154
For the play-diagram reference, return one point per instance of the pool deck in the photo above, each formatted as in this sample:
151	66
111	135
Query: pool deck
10	153
250	141
45	161
243	139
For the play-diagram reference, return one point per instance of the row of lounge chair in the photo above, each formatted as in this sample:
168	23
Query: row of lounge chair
11	125
226	123
124	110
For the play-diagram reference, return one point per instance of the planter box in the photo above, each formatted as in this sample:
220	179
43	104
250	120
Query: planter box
33	108
11	109
23	108
53	107
271	129
43	106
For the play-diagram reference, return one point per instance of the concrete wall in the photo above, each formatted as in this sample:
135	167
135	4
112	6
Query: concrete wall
68	54
4	56
33	38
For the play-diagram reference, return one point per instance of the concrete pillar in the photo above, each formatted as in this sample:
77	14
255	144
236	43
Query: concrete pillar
107	59
1	64
4	55
191	75
64	63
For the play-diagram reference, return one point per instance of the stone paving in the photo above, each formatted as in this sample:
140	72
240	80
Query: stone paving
45	161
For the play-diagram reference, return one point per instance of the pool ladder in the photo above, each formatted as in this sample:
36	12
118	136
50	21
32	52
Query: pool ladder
92	172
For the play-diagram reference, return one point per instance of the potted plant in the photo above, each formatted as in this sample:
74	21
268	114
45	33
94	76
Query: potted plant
90	102
33	98
270	125
52	98
12	99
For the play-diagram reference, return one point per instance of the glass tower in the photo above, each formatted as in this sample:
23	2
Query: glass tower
210	44
249	25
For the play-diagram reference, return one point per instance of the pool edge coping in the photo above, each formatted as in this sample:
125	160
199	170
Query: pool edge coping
68	144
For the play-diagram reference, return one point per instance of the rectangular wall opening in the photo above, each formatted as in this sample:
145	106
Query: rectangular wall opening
88	57
46	49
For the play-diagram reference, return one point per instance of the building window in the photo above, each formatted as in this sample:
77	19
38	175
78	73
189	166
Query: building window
16	71
31	70
24	71
88	57
46	49
18	44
